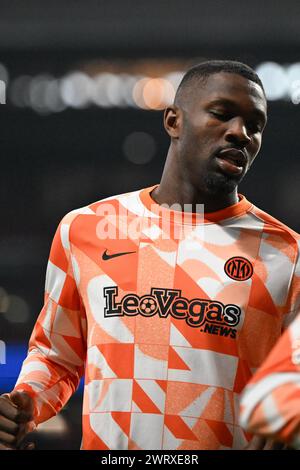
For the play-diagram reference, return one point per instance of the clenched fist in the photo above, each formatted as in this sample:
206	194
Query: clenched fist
16	420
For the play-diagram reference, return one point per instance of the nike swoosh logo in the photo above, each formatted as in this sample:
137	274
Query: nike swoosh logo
106	256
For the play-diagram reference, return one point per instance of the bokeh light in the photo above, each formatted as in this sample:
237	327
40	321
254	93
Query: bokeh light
122	89
76	90
153	93
18	310
274	79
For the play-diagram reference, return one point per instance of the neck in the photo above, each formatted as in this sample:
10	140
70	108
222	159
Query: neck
176	187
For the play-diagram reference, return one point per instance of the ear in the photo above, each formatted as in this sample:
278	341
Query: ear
172	121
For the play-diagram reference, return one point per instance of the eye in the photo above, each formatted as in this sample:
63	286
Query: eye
255	127
221	115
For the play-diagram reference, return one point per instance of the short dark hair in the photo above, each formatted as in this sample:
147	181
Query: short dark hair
202	71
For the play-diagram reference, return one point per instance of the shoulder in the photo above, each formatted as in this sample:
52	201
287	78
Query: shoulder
273	226
88	215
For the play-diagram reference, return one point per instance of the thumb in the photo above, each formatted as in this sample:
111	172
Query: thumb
24	403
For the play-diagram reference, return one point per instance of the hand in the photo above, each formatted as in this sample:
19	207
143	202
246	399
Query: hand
261	443
16	420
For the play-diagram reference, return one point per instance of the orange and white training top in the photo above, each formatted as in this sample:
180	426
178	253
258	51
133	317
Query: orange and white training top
270	404
167	316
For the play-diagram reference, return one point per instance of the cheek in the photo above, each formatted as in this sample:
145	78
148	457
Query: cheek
255	146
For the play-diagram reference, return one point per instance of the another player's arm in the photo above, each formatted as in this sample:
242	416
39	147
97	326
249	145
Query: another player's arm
270	404
271	401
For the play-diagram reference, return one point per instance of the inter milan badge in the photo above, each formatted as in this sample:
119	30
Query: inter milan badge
238	268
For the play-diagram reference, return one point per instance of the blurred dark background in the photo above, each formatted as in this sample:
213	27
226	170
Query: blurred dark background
84	85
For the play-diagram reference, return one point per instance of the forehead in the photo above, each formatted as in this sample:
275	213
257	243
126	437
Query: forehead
232	87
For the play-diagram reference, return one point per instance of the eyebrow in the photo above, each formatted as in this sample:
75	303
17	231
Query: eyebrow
225	101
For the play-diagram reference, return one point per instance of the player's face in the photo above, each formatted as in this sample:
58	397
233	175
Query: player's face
221	131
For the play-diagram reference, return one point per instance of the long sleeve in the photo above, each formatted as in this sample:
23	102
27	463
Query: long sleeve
270	404
57	347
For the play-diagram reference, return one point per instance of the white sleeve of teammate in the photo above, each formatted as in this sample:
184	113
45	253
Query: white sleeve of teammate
270	404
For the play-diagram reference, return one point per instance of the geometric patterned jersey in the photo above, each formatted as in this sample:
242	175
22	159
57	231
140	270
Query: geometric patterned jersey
271	401
166	314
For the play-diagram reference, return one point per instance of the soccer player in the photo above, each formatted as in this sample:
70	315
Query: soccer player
169	297
270	405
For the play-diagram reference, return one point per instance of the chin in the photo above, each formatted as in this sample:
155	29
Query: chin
220	184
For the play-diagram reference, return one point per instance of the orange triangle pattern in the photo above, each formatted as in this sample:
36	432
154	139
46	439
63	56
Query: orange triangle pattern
260	297
69	297
57	254
163	384
142	400
179	428
90	440
123	420
221	431
175	361
191	288
76	344
243	375
40	337
120	358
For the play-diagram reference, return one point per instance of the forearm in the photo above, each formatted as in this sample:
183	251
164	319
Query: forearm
273	412
48	383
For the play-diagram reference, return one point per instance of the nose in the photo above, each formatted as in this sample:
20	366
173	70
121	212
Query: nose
236	132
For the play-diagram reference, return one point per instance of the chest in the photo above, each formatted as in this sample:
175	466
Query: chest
209	281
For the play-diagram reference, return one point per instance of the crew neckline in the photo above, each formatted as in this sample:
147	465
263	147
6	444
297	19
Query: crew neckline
192	218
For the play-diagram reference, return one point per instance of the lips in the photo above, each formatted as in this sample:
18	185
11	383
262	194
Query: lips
231	160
